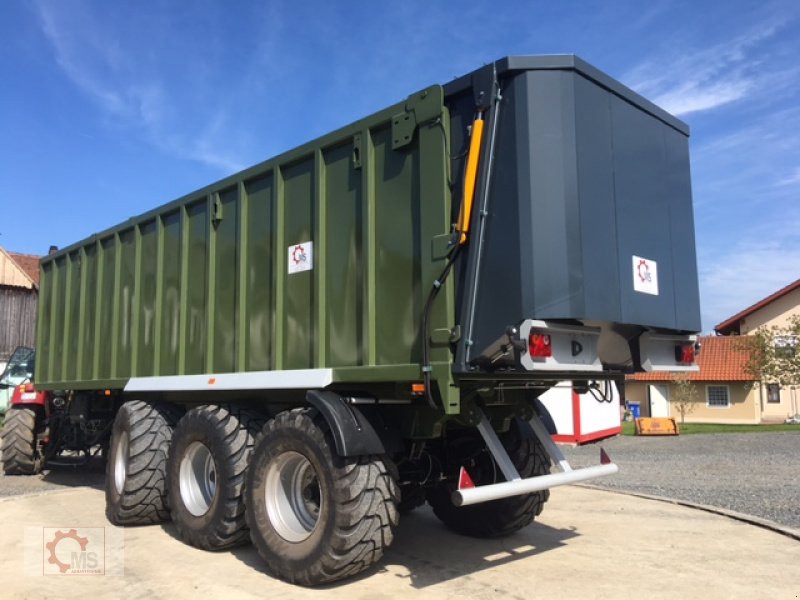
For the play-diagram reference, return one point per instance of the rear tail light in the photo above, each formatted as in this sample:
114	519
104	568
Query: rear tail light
539	345
26	387
685	353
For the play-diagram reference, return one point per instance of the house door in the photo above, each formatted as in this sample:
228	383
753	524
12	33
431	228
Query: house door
659	400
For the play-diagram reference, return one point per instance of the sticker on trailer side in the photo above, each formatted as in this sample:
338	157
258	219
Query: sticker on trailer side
301	257
645	275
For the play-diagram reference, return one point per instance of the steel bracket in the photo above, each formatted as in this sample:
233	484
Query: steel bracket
421	107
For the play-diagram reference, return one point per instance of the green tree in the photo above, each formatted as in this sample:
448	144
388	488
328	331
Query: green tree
774	355
684	396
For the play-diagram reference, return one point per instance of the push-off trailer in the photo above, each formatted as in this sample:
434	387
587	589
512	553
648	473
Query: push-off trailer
302	351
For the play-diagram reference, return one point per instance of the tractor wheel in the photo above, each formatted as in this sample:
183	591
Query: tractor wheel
316	517
208	460
136	471
20	454
496	518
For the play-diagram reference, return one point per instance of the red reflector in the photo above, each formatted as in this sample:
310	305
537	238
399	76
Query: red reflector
464	480
29	388
684	354
539	345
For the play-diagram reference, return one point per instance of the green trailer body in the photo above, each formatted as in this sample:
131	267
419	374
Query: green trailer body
201	285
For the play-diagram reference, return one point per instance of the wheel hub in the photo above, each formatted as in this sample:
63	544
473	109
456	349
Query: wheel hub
293	497
198	479
121	462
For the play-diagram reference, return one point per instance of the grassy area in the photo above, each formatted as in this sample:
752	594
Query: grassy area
689	428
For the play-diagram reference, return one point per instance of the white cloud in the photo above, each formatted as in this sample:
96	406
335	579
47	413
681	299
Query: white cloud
791	180
747	192
704	78
116	79
755	161
693	96
762	263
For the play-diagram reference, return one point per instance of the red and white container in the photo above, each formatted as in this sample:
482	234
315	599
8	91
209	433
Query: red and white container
583	418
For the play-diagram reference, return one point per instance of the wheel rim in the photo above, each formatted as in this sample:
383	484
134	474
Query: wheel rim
198	479
121	462
293	497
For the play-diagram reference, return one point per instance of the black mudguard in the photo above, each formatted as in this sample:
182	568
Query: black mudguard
353	434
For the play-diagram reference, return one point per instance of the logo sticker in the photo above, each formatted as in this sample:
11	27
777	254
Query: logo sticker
301	257
645	275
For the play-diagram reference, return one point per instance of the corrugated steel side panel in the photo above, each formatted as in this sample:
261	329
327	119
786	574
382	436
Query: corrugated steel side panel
201	285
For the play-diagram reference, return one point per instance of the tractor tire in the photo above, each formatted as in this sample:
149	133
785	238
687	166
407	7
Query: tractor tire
496	518
136	471
20	454
210	450
316	517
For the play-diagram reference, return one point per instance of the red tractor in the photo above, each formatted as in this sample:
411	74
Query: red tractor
40	426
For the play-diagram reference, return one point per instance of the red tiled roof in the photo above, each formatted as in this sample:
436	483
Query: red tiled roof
28	263
732	324
721	358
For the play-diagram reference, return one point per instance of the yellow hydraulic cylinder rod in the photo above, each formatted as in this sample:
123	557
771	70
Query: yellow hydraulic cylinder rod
470	178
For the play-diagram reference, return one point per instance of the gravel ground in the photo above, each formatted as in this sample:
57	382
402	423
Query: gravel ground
756	474
752	473
55	477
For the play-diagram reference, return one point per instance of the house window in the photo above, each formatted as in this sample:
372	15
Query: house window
774	393
717	396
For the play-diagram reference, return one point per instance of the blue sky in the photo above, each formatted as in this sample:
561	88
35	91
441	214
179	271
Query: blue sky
109	109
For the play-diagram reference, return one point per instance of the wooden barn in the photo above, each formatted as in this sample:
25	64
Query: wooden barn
19	289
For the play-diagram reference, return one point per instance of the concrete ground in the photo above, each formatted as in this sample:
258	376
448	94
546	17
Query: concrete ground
588	543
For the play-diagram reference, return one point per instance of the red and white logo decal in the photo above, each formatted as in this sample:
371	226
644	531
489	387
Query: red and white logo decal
645	275
301	257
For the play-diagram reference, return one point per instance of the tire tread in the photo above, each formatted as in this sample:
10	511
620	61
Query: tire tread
366	498
143	500
238	428
19	442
